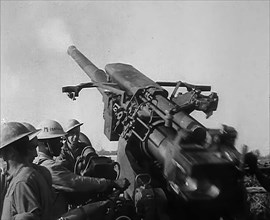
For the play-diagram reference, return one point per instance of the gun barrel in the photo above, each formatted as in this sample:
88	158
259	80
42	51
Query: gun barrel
94	73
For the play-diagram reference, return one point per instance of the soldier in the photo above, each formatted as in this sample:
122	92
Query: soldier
3	183
32	153
64	181
84	139
252	161
33	142
27	195
72	149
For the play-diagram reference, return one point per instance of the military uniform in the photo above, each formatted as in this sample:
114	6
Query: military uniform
27	194
64	180
67	158
3	188
44	172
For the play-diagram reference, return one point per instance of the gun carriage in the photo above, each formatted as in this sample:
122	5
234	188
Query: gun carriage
174	163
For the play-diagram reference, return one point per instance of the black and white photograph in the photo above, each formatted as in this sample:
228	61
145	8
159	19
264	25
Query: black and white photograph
135	110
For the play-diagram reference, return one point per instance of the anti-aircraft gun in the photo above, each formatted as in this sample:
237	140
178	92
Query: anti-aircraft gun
174	163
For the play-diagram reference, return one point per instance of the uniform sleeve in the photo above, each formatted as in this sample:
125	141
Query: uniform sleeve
25	216
65	160
3	188
26	201
44	172
65	180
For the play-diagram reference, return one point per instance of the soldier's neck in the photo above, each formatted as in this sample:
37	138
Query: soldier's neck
71	147
14	166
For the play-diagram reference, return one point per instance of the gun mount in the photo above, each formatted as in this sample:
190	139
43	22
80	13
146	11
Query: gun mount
158	137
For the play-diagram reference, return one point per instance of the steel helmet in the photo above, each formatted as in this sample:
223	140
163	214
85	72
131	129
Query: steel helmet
11	132
83	138
50	129
31	128
71	124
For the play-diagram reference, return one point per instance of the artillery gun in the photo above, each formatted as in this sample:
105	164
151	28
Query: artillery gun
175	165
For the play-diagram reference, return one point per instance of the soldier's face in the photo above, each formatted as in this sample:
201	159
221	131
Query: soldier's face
55	146
73	137
32	152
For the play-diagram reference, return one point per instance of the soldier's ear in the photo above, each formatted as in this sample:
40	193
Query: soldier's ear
8	153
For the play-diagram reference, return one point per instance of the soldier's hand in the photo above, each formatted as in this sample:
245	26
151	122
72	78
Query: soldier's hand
121	183
252	161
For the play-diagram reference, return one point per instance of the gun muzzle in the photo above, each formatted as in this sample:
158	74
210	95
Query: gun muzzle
94	73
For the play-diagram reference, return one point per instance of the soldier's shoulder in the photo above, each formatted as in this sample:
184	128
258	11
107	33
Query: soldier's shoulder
83	144
27	174
40	169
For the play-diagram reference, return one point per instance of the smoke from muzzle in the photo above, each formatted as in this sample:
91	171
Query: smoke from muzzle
54	35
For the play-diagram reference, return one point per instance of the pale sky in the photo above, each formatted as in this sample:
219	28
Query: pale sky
224	44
